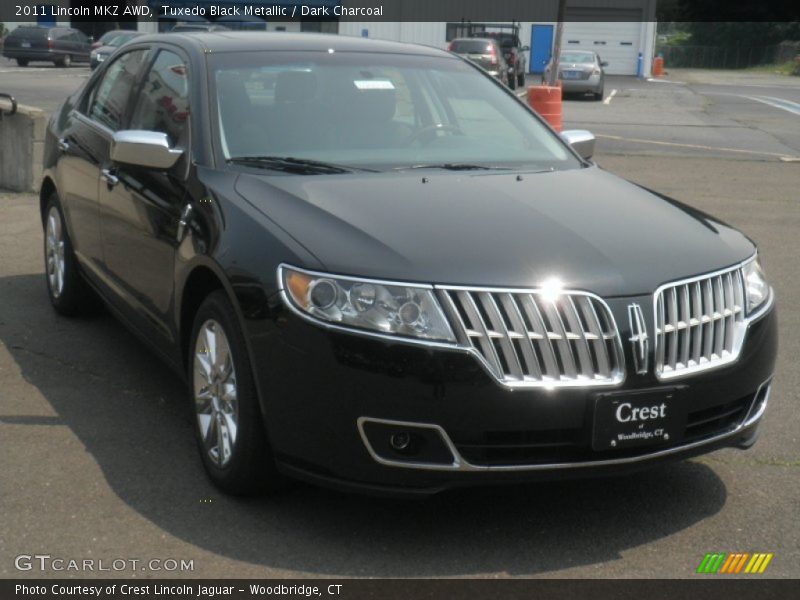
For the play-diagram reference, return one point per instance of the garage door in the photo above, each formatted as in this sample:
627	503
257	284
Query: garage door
617	42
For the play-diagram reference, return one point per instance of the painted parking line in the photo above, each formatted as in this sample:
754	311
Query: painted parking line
787	105
781	103
778	155
610	96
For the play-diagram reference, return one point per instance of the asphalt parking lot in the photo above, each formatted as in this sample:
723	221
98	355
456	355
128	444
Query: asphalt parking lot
99	459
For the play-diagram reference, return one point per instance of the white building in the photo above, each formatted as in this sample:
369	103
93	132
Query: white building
589	25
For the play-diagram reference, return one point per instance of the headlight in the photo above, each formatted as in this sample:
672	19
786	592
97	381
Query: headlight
755	285
381	307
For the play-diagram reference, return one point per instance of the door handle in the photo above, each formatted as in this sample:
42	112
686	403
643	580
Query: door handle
183	222
63	145
110	178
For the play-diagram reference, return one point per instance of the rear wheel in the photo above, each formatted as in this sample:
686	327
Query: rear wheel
598	95
228	423
69	294
521	80
22	62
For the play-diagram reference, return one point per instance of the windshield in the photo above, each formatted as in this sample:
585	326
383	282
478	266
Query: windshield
31	33
577	57
375	111
471	46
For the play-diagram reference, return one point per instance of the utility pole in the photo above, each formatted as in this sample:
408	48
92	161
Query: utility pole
562	9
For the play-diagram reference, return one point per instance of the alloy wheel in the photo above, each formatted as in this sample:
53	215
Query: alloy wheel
214	380
54	236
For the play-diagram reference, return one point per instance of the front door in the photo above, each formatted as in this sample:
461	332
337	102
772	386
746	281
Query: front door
141	207
84	149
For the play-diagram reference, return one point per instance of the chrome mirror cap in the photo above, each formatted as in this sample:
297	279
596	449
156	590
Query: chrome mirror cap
582	142
144	148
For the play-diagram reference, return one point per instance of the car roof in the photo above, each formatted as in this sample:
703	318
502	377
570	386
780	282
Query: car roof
254	41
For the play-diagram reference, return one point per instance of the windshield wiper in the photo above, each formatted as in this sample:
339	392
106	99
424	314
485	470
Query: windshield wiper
291	164
456	167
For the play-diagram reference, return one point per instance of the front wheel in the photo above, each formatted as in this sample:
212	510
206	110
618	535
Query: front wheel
228	422
65	61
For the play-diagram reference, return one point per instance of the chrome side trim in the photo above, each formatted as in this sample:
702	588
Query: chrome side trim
759	404
461	464
462	345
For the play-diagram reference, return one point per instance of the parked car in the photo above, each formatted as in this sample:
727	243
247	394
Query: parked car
198	27
582	72
98	55
514	54
108	36
485	53
59	45
379	270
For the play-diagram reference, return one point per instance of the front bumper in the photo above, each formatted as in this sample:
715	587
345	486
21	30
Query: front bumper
322	389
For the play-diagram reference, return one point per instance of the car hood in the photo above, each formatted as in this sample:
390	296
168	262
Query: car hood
586	227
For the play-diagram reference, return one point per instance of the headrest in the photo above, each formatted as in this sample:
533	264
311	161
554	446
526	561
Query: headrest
231	88
295	86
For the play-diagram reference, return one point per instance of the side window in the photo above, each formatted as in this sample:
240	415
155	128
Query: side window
110	97
163	104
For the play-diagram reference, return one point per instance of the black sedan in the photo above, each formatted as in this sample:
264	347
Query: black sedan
378	269
102	52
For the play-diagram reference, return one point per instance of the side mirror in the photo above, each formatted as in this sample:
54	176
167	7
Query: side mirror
582	142
525	48
91	39
604	63
144	149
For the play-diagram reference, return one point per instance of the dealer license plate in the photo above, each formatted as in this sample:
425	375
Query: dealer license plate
642	418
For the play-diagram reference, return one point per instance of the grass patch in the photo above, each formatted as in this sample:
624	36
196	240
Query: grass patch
784	68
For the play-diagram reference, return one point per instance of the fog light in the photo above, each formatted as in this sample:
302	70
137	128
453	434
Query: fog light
400	441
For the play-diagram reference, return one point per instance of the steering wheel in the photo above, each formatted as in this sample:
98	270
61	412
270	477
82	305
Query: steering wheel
435	128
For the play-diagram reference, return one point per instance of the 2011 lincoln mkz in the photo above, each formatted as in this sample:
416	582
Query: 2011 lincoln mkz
378	269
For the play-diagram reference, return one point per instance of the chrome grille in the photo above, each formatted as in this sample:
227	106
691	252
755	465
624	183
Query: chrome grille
527	339
700	323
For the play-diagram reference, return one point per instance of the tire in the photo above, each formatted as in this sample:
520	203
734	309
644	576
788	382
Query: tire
239	461
511	82
65	61
597	96
69	293
521	80
22	62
